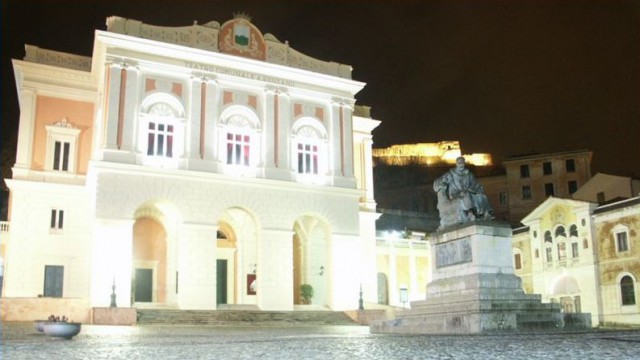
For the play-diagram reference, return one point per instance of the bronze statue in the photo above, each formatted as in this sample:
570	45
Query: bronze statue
460	197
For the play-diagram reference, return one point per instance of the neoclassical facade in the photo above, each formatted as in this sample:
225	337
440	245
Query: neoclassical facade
191	168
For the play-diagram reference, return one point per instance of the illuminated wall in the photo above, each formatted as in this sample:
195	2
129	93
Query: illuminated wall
444	152
178	174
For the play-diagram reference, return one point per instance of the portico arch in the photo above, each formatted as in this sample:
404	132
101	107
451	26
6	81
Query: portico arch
565	290
237	257
311	260
155	230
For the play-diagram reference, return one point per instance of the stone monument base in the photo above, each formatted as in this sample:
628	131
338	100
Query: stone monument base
114	316
474	290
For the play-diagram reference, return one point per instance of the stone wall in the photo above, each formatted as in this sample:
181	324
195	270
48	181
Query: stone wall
28	309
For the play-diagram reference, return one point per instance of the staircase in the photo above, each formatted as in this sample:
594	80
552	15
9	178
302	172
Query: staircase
242	317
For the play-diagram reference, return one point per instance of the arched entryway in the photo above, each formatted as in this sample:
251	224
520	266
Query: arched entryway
236	258
565	290
149	282
311	264
154	274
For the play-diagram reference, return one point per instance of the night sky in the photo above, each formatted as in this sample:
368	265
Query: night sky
502	77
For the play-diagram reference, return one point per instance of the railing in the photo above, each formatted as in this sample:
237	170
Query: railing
402	243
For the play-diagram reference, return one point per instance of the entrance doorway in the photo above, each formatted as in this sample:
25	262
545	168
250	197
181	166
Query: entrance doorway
143	285
221	281
53	280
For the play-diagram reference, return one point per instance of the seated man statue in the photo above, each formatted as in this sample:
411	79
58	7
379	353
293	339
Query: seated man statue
460	197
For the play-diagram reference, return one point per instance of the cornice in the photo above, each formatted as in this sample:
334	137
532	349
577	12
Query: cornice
206	177
156	53
57	80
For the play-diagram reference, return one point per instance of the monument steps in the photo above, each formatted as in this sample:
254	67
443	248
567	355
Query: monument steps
474	290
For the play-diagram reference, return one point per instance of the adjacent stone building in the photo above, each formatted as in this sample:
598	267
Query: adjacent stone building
584	256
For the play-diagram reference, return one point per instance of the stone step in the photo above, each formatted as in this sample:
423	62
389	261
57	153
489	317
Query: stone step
242	317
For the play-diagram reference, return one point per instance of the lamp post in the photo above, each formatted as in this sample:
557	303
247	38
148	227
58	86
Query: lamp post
360	301
113	293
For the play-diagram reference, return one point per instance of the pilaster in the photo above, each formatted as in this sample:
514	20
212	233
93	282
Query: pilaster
112	260
196	267
24	151
275	285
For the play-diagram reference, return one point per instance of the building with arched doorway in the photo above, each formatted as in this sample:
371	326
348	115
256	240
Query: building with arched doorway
584	256
194	167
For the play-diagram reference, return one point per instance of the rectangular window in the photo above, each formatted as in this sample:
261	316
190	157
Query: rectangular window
549	190
549	254
577	304
526	192
238	149
546	168
307	159
570	164
61	151
524	171
57	219
575	250
518	261
502	197
53	280
573	186
160	140
62	140
621	241
537	253
562	253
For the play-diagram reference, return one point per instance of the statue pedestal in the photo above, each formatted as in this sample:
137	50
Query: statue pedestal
474	289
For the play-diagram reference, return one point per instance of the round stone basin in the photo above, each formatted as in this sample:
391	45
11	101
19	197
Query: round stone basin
39	325
65	330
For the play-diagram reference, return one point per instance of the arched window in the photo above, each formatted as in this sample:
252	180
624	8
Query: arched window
161	128
239	133
560	231
310	146
627	291
573	230
239	146
308	150
547	236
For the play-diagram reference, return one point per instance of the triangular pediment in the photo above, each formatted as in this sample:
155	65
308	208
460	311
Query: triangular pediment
556	208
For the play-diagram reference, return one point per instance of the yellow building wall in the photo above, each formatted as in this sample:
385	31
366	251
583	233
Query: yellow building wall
402	273
624	262
422	266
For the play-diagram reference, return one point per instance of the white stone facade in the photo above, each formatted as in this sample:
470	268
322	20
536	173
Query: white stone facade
190	177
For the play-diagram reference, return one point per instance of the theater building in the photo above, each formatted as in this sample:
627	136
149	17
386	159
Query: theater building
187	167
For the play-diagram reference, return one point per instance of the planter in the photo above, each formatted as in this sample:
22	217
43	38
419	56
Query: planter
65	330
38	325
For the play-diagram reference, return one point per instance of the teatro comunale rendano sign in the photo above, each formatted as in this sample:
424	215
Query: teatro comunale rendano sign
239	73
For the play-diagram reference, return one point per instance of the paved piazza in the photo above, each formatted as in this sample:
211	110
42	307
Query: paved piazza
20	341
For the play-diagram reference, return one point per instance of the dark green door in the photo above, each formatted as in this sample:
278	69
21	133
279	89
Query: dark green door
144	285
221	281
53	280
